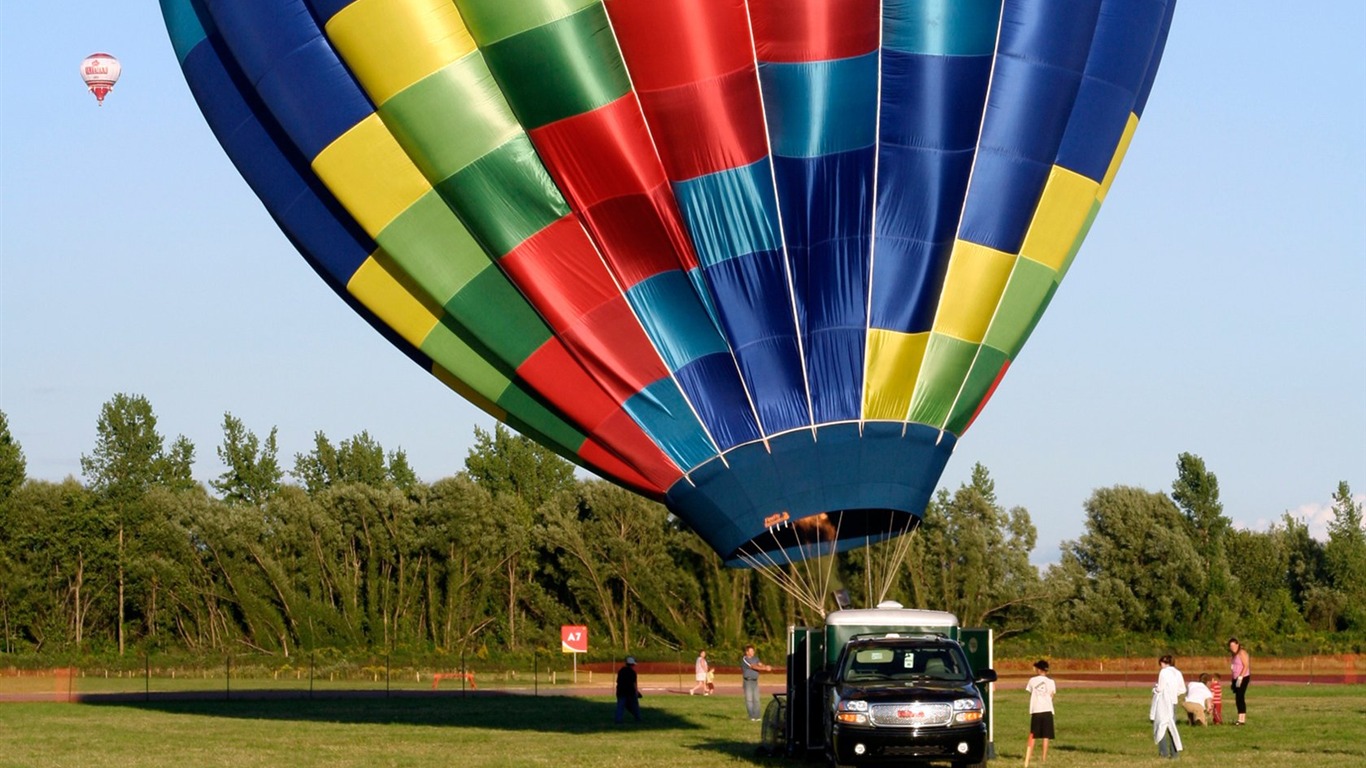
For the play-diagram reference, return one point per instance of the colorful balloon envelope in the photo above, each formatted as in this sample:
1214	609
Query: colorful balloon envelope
100	71
764	261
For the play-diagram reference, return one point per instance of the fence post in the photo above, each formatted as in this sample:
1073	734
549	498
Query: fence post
386	674
310	674
535	673
147	676
464	671
227	676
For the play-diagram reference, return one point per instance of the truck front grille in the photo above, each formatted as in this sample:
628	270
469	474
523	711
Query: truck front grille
910	715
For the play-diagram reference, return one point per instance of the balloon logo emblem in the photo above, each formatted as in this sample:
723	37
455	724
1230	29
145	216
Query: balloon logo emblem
100	71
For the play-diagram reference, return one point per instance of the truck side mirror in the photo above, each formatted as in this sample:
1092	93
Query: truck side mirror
821	677
985	676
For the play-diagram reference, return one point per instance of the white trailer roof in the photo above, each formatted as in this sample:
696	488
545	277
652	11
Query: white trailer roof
891	615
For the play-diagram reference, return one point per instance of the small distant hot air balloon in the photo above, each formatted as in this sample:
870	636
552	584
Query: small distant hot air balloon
100	71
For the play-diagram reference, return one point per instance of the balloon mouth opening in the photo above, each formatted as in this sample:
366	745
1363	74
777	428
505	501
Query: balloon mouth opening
823	534
807	494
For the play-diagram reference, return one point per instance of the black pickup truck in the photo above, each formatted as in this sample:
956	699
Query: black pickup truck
895	699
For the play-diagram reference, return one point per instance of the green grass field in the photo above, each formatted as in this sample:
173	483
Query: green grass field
1290	726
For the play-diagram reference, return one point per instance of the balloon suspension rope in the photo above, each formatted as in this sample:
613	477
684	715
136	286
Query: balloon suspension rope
809	588
798	581
783	576
890	565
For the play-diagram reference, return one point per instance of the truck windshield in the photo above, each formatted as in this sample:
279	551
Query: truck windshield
908	662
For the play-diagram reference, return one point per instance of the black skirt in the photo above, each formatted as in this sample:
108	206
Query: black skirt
1041	725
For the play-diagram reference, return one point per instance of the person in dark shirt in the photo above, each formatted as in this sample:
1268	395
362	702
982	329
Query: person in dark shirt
750	667
628	690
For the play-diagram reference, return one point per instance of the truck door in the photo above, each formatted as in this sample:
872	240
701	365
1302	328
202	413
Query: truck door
805	657
977	644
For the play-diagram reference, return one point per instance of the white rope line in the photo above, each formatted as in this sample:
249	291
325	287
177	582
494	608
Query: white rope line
834	558
716	322
782	578
899	552
967	190
812	579
867	564
895	553
810	583
872	232
881	563
790	570
782	234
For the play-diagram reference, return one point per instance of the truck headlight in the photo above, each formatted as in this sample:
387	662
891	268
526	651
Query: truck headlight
967	711
852	711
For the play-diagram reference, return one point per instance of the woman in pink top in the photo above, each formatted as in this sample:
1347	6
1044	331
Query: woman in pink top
700	670
1240	666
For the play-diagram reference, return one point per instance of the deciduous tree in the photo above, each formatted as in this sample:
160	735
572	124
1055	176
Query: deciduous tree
1196	492
1345	556
521	476
359	459
1260	573
971	557
13	468
127	461
1136	567
253	471
507	463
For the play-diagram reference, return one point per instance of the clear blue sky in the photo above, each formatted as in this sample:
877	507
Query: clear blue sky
1218	307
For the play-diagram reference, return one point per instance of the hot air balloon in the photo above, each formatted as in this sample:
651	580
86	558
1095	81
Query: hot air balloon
100	71
764	261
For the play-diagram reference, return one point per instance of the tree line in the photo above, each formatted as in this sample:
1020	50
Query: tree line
348	550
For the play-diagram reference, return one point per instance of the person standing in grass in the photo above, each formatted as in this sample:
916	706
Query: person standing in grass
1240	666
750	667
1166	696
628	690
1041	691
700	672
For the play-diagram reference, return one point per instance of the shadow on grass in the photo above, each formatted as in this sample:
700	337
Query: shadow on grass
747	752
1321	751
545	714
1084	750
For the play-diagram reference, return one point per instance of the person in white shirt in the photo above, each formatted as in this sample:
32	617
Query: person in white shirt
1197	703
1166	695
1041	691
